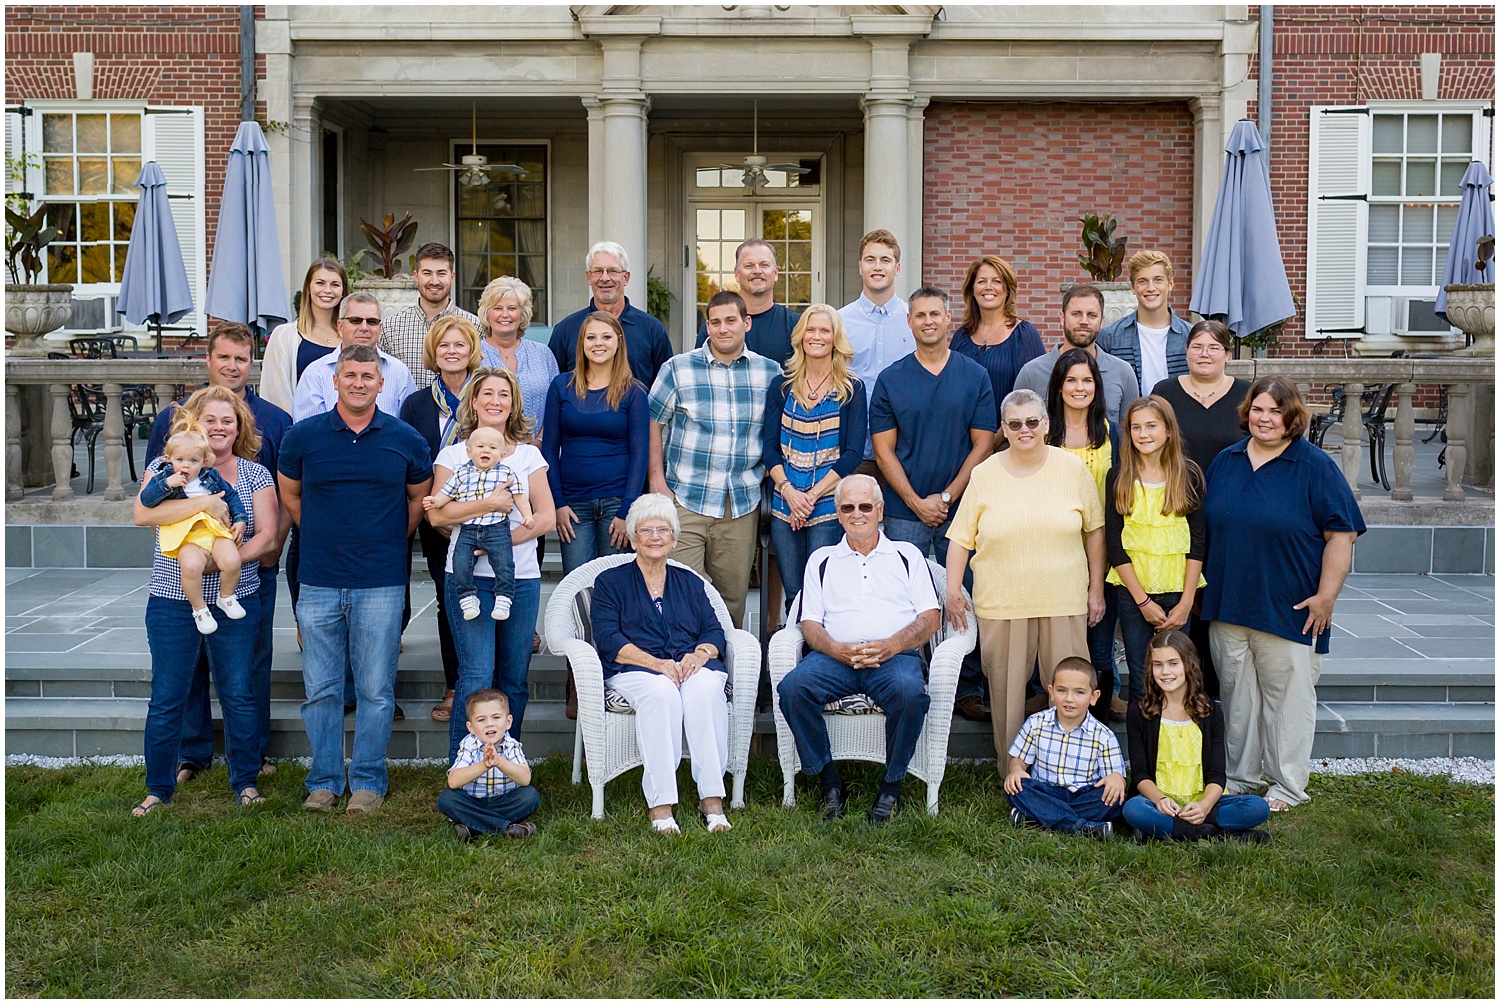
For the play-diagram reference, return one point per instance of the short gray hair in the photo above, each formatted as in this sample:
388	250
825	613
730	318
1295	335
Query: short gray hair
652	505
357	354
358	297
838	489
607	247
1022	396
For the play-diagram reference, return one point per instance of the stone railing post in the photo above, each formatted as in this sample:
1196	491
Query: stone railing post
62	444
14	476
114	441
1354	427
1458	432
1403	457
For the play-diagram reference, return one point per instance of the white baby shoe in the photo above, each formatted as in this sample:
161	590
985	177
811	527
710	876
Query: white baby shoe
502	608
470	606
203	620
231	607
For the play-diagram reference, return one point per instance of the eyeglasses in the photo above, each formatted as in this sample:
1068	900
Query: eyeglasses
1016	424
653	532
613	273
1206	348
373	322
864	507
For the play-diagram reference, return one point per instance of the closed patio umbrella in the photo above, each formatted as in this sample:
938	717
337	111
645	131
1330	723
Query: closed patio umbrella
154	289
1242	280
245	281
1475	219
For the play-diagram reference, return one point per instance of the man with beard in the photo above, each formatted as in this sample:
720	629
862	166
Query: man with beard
1082	315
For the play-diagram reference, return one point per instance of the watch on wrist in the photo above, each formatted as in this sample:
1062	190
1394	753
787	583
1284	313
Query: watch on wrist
947	499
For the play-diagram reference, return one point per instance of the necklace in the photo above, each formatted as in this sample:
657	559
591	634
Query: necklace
1004	329
815	394
1206	395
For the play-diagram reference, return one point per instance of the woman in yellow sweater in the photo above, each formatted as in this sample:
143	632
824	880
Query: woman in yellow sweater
1032	520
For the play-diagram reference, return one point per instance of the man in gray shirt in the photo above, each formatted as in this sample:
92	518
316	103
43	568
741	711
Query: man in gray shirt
1082	315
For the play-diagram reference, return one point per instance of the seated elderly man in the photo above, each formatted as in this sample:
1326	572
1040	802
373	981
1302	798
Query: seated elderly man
853	593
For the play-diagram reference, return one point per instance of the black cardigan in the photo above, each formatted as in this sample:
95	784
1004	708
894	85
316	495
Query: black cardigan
1141	735
1114	522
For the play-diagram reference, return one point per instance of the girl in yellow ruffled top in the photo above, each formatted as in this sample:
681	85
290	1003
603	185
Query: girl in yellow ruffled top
1153	530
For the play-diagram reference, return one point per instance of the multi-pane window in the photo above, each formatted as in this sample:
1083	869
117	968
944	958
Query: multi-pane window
502	226
1417	163
790	232
90	163
719	233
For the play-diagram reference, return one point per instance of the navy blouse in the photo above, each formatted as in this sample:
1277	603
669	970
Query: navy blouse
623	613
1002	362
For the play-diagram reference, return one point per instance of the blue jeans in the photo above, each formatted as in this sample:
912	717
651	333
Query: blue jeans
489	815
494	540
492	653
1057	808
1136	633
358	630
1230	812
1102	652
793	548
591	532
197	716
896	685
175	649
934	540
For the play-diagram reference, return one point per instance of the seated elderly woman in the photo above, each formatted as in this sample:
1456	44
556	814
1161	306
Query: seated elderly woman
662	649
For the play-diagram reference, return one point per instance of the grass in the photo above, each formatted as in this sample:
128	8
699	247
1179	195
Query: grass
1382	886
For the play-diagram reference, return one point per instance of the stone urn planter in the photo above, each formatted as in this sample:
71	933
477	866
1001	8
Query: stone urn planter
1471	308
1119	301
393	294
31	311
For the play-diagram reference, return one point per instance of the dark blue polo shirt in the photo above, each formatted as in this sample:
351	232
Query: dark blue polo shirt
646	342
270	421
1265	536
932	416
354	497
770	334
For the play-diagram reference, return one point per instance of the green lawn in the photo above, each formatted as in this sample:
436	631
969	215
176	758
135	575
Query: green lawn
1382	886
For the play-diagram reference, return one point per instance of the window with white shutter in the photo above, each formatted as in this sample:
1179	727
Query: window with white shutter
1338	220
176	143
15	151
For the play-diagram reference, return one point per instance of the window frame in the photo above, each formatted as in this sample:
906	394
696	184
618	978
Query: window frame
457	148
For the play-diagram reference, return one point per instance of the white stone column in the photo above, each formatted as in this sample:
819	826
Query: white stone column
911	241
290	155
597	171
624	209
887	165
1208	168
304	195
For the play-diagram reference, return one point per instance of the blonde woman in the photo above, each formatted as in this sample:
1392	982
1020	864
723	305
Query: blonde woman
291	347
505	312
814	432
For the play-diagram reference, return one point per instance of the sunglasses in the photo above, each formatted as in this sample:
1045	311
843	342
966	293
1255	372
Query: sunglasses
373	322
865	507
1016	424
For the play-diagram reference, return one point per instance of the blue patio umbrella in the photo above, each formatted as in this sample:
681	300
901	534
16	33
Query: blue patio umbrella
1242	280
154	289
245	281
1475	219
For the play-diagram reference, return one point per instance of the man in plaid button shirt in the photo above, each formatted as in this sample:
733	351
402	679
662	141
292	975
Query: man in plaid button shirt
1077	779
405	330
706	412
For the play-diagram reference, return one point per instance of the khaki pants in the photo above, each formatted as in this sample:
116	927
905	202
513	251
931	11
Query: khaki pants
1008	649
1268	687
723	550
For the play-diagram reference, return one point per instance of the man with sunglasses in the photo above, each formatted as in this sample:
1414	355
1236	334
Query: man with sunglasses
359	324
853	593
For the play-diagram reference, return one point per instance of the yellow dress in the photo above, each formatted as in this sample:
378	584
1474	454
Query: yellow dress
200	529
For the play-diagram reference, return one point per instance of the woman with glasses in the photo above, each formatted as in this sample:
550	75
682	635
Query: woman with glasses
663	651
1033	521
1206	399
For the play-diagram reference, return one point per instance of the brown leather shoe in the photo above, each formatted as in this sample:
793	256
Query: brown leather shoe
972	708
321	800
364	801
444	711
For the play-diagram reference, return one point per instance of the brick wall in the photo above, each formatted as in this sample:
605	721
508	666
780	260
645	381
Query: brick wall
1347	56
161	55
1013	179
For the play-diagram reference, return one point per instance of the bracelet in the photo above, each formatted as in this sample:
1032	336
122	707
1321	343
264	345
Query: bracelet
1143	603
782	486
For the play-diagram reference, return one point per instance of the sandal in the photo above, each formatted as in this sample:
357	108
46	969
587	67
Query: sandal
190	770
444	711
145	807
251	796
1277	805
266	767
717	822
668	825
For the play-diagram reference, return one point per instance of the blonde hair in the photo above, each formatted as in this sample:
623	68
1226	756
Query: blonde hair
441	327
517	426
186	436
1142	260
843	354
499	289
189	415
620	375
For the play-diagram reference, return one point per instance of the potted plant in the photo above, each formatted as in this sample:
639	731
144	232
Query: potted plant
659	298
388	241
1103	258
1471	305
32	309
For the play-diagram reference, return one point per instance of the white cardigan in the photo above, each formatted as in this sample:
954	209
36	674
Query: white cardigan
278	367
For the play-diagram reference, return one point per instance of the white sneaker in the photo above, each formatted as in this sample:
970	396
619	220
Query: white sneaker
502	609
231	607
470	607
203	620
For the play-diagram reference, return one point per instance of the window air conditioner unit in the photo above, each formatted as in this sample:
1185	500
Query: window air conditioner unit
1411	315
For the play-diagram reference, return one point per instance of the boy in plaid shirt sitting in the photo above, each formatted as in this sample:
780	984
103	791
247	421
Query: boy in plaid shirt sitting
1077	778
489	785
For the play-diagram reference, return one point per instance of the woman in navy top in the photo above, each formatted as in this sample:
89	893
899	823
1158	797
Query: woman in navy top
598	443
451	349
1281	529
663	647
992	335
814	433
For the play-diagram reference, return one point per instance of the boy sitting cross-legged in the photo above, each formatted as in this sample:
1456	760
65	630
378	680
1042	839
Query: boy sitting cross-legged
1077	782
489	785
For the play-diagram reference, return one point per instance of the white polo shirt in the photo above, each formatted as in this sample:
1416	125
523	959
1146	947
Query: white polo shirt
316	394
860	597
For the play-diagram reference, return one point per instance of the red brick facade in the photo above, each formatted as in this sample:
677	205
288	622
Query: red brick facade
1013	179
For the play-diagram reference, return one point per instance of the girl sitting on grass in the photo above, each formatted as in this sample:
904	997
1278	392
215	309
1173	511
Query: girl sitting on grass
1176	740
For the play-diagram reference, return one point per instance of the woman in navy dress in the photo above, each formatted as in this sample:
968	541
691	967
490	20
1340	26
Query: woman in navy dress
991	334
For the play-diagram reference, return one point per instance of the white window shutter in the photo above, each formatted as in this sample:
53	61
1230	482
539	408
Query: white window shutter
15	146
174	139
1338	221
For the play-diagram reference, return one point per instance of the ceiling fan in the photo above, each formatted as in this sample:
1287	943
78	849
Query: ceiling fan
475	165
754	167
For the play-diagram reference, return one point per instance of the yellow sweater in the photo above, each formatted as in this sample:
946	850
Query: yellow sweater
1026	535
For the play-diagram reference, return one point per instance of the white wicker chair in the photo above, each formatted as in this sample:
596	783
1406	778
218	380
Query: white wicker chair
608	738
862	737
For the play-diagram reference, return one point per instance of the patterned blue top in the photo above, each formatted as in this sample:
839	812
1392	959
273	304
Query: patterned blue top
1075	759
535	368
493	782
809	447
166	574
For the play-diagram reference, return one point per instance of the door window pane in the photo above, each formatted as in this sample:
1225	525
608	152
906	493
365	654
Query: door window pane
718	233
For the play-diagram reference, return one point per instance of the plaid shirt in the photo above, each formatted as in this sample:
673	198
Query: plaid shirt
469	483
1074	760
711	438
492	782
403	333
166	574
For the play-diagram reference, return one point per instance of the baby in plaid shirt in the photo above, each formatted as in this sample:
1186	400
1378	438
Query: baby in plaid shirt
489	785
1077	778
489	532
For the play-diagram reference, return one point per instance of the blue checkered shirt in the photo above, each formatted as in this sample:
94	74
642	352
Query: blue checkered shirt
492	782
1074	760
166	574
711	415
469	483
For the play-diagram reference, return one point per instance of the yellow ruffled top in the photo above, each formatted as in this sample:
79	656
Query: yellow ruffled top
1157	544
1179	761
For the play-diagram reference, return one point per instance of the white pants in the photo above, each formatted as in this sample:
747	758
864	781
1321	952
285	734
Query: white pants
1268	687
662	713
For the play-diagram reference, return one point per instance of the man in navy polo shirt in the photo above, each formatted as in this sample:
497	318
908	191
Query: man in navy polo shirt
230	349
353	478
646	343
771	324
932	421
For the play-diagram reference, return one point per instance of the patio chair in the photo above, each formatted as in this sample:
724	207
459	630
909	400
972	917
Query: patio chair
605	731
856	728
